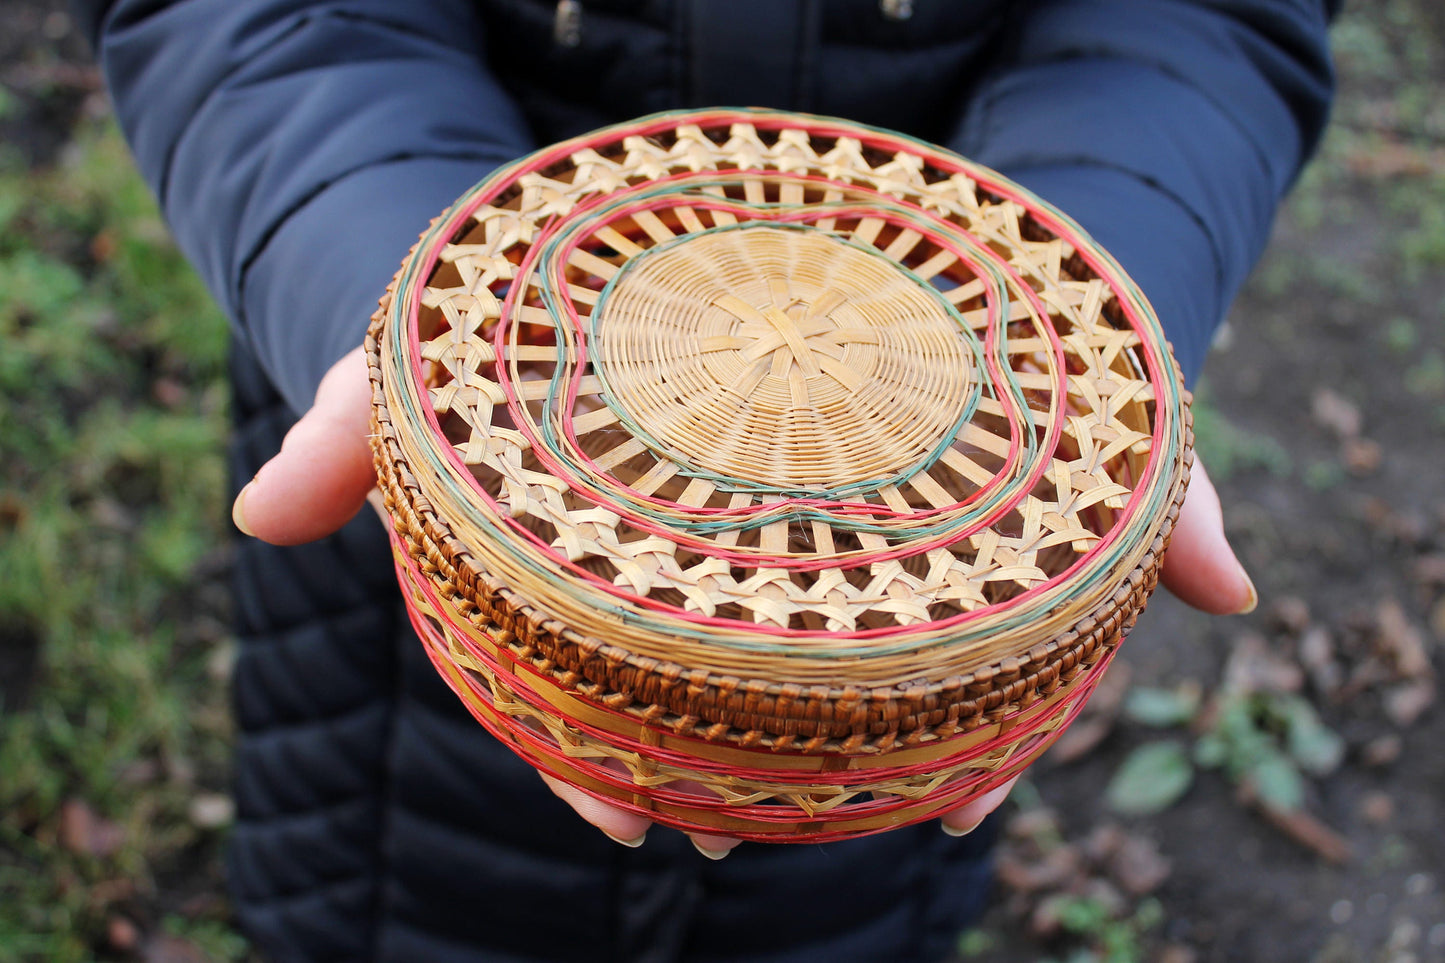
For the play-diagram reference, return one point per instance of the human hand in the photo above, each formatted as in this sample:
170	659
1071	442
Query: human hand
1200	569
321	478
323	474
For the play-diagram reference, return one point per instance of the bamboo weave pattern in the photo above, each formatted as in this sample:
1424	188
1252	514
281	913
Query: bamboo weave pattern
721	445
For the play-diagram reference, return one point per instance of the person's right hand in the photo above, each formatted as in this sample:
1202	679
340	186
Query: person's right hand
319	480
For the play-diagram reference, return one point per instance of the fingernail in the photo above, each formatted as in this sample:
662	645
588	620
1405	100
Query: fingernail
238	510
1253	601
633	843
712	854
961	830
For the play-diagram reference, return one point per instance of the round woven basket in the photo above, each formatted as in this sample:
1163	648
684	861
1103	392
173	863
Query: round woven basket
770	475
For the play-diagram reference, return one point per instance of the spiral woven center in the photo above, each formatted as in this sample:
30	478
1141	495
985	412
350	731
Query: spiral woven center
782	356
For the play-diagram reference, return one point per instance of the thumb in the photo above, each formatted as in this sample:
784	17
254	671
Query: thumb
1199	567
322	474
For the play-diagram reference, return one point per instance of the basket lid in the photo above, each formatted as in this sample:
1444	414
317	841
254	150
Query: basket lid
746	397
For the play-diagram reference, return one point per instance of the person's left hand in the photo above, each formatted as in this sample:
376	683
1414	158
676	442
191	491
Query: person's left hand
1200	569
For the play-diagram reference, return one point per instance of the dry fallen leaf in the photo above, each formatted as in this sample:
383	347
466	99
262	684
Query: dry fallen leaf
1361	456
1177	953
1302	828
85	833
1253	666
205	905
1429	571
1377	808
139	772
1407	527
12	509
115	890
1106	896
109	513
1317	655
121	934
1336	413
1393	158
1138	866
1054	870
1382	750
1046	920
1406	703
1366	675
1290	613
1103	842
1400	642
169	392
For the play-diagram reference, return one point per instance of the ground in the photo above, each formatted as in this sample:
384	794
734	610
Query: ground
1264	787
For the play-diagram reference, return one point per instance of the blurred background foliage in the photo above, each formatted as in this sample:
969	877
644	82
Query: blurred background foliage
113	547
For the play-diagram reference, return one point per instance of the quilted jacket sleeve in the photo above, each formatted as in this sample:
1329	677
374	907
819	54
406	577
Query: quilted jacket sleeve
299	146
1169	129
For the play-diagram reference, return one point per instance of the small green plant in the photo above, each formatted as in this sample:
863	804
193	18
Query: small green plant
1401	335
1267	741
1270	741
1323	476
974	942
1427	378
1151	779
1108	936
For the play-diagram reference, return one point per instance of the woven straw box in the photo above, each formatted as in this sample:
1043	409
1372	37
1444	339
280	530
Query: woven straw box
770	475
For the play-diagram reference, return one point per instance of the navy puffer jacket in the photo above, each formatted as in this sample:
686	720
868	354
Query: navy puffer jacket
299	146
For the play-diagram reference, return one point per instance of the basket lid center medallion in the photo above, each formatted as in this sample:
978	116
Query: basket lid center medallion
782	355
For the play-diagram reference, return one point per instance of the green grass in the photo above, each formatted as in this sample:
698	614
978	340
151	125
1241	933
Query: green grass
112	429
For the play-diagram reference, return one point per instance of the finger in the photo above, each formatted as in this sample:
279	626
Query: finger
322	474
1200	568
617	823
713	847
966	818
